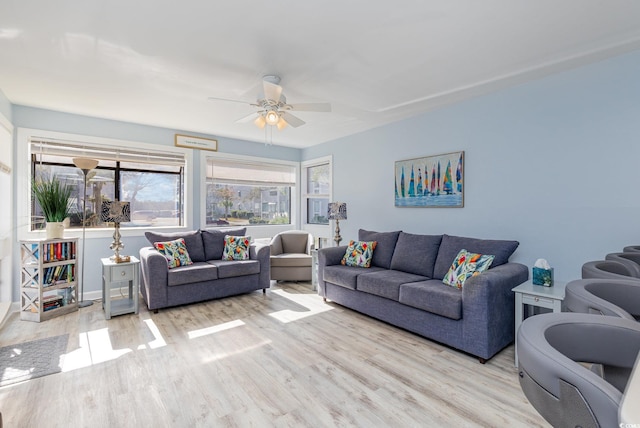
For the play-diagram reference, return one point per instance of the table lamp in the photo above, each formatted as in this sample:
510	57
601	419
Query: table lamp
116	212
337	211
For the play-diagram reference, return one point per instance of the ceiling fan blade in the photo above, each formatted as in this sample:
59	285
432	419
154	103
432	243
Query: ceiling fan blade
322	107
292	120
232	101
272	91
247	118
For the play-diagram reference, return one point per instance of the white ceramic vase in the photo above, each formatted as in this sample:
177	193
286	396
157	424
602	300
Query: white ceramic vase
55	230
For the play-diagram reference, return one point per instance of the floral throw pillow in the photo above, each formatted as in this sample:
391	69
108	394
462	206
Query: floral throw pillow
359	253
466	265
175	252
236	247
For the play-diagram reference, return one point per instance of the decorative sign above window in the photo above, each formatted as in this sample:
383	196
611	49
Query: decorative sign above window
431	181
196	142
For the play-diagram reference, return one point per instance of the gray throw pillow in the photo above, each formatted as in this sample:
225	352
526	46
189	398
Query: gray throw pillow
451	246
213	240
192	240
384	249
416	253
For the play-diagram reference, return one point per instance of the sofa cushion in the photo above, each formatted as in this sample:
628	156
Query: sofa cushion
291	260
451	246
416	253
231	268
385	283
175	252
197	272
192	240
213	241
384	249
345	276
466	265
236	247
433	296
359	253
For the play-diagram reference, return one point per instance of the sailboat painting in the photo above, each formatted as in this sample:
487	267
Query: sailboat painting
440	186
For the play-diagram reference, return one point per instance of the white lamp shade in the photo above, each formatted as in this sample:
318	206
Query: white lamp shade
260	122
85	163
272	117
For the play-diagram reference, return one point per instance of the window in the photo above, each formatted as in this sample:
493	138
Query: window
153	182
317	176
248	192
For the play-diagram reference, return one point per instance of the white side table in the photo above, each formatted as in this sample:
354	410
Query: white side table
536	296
114	274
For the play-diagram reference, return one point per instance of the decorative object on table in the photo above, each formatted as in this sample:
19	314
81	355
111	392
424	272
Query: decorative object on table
53	197
542	273
86	165
431	181
32	359
116	212
337	211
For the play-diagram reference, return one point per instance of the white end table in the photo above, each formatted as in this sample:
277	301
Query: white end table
115	274
536	296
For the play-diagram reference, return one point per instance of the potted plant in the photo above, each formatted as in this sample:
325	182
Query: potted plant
53	197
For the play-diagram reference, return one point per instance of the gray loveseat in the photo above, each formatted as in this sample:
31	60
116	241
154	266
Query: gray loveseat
208	277
404	287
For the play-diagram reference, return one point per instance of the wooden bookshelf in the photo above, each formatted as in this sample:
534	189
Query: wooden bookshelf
48	286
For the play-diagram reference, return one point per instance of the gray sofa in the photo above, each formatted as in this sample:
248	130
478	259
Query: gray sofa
404	287
208	277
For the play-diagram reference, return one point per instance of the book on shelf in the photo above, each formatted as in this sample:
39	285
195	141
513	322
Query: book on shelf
58	274
51	302
48	307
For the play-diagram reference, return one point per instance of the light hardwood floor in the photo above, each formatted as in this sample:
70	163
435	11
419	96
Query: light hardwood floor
281	359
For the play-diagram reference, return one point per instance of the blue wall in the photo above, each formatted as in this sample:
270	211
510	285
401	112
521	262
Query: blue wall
552	164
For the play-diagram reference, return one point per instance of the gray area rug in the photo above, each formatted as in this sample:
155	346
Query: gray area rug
32	359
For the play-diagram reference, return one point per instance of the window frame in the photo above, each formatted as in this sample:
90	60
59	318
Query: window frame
313	228
256	231
23	185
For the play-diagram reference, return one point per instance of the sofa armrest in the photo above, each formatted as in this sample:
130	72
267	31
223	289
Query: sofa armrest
276	245
262	253
155	277
488	307
329	256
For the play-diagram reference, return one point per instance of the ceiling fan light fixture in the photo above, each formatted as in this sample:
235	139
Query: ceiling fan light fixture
281	124
260	122
272	117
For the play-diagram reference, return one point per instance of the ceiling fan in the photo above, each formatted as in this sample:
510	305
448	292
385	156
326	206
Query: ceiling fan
273	109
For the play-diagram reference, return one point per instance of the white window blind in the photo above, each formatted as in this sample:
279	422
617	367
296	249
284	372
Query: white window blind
244	172
70	149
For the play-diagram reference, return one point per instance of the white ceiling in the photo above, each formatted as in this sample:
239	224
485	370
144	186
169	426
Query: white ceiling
156	62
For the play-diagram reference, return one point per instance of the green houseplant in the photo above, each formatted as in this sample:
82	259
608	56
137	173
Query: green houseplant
53	197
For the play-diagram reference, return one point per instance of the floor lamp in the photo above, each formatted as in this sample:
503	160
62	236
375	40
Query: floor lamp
86	165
